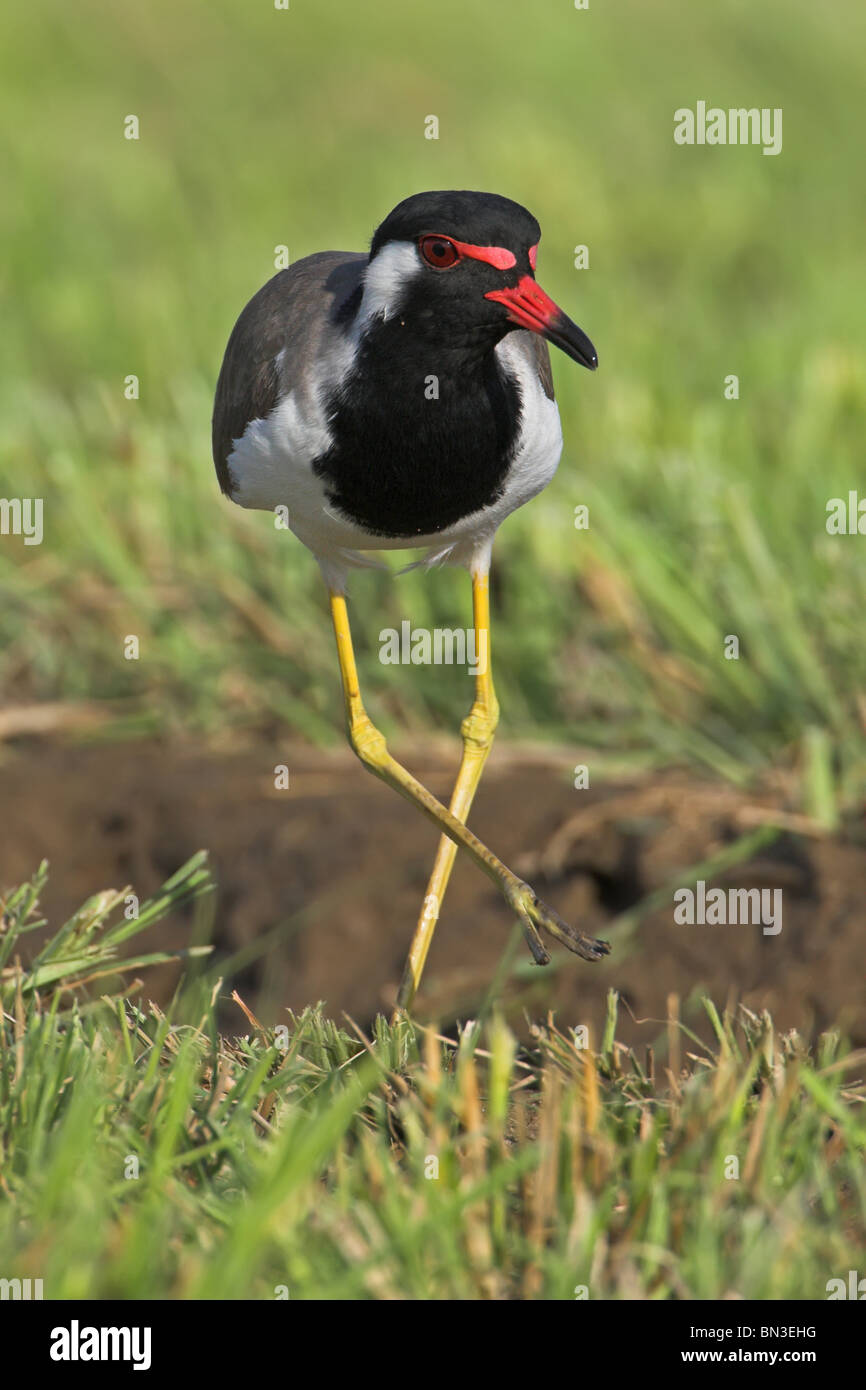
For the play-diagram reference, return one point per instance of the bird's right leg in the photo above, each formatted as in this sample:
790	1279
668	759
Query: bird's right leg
477	731
370	746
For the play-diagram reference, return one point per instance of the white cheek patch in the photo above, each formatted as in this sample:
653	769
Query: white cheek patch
386	280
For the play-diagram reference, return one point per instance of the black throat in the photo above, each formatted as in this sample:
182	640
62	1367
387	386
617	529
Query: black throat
421	434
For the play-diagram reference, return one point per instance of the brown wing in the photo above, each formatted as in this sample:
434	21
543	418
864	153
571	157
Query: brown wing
291	315
542	358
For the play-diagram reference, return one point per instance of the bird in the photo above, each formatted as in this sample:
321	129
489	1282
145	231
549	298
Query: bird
402	399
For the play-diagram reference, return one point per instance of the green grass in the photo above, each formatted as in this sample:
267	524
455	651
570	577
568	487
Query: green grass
707	515
143	1155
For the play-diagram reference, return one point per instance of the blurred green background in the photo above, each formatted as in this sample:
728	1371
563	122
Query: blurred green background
261	127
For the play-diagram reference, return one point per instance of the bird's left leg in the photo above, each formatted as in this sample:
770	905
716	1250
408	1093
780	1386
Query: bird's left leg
477	729
370	746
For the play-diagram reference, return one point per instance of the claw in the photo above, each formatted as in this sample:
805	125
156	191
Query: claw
533	913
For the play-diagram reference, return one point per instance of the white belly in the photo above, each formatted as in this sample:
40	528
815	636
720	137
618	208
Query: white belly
271	466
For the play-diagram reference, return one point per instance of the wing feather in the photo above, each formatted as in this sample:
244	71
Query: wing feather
276	339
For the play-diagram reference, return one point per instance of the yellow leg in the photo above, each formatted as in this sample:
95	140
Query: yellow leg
477	730
371	748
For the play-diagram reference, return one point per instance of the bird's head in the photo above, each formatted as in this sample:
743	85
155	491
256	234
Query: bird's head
460	266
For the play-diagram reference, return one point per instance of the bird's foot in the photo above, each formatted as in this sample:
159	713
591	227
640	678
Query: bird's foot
533	913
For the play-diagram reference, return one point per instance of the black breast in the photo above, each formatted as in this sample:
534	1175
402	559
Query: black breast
418	439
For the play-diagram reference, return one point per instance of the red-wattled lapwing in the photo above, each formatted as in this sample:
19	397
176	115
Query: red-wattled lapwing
324	406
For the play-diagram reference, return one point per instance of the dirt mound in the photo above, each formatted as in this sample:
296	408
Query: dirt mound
321	883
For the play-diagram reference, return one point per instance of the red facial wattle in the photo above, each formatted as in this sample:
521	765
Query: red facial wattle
497	256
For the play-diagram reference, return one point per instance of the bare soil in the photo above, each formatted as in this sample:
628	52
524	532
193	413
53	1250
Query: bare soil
328	877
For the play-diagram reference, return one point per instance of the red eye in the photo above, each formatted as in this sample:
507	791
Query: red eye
438	251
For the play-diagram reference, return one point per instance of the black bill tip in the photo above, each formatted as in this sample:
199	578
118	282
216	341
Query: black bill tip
573	342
